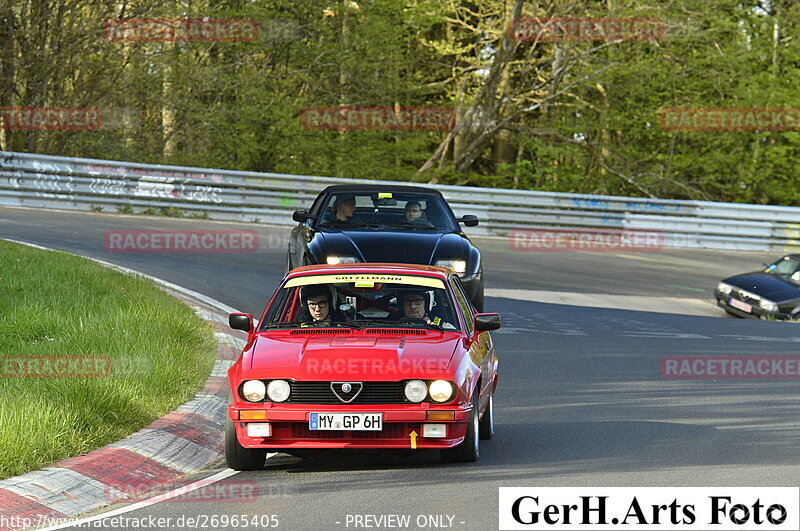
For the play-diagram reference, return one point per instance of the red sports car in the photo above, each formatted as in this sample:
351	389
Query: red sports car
363	356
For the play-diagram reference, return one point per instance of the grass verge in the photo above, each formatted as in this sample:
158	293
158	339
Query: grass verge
55	307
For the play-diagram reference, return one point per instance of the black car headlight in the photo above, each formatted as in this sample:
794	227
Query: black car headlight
457	265
724	288
768	305
333	259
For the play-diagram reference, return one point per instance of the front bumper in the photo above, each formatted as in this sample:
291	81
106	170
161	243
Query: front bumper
289	426
723	301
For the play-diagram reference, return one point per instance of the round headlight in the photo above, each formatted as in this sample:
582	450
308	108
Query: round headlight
254	390
278	390
441	390
416	390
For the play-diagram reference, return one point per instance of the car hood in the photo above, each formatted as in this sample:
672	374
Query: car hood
343	357
399	247
772	287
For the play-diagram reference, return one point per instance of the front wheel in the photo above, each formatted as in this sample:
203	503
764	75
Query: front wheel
469	450
237	456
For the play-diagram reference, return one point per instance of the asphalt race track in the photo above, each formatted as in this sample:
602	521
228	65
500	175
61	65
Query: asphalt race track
581	400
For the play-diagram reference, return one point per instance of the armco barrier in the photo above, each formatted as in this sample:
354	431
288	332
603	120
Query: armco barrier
44	181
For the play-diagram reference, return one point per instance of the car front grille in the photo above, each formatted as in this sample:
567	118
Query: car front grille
372	393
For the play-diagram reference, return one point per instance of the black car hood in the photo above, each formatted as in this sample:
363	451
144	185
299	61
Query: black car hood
772	287
399	247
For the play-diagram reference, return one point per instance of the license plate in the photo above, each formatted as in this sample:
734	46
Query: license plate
346	421
741	305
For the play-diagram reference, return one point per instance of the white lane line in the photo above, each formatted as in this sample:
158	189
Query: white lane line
180	491
641	303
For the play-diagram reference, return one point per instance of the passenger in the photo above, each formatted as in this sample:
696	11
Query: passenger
317	306
344	208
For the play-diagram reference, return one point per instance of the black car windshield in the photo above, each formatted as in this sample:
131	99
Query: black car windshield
386	211
363	300
786	266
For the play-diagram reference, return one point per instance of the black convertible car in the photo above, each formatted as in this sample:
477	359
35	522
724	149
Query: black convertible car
379	223
771	293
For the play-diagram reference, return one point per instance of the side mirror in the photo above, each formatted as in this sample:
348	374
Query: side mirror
241	321
301	216
483	322
469	220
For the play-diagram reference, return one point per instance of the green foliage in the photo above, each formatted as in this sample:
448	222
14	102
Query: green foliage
170	212
579	116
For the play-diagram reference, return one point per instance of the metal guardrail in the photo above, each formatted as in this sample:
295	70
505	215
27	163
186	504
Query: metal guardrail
44	181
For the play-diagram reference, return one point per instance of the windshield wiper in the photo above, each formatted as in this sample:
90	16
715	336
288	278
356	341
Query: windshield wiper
411	225
310	324
395	324
352	224
280	324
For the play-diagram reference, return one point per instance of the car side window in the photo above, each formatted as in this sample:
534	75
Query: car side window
466	307
315	206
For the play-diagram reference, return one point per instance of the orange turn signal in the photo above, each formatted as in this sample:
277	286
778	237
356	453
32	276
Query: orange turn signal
441	415
253	415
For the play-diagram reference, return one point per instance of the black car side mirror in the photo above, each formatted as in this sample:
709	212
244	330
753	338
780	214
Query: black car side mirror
483	322
469	220
241	321
301	215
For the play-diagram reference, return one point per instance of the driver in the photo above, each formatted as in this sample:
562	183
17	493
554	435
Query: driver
317	306
415	305
413	211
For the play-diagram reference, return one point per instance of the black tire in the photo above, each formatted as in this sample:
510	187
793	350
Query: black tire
469	450
486	425
237	456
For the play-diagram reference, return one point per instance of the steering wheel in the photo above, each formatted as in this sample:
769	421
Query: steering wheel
412	320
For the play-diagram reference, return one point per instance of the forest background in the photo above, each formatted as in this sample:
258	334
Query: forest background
539	113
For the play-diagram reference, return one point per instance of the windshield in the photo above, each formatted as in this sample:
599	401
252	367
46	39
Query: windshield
362	301
786	266
386	211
